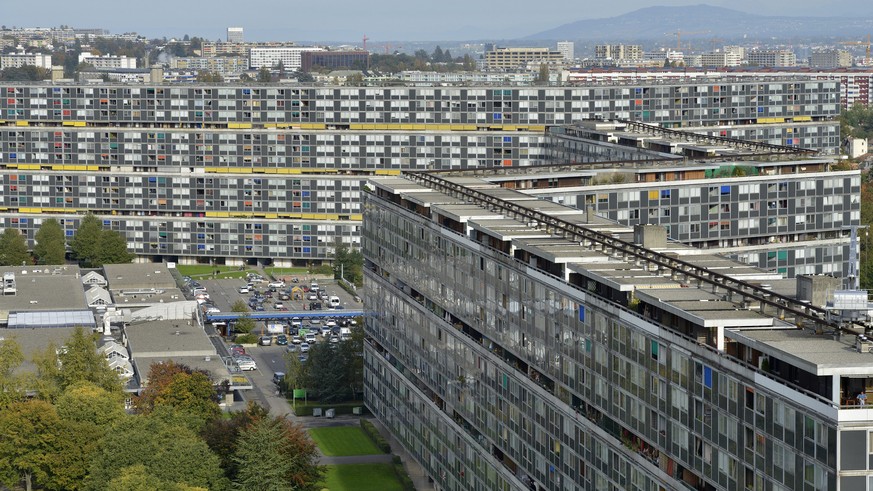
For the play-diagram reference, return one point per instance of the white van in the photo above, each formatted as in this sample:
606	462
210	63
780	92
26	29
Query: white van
313	288
333	301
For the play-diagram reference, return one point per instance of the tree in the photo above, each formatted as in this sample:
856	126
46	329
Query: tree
207	76
180	388
28	439
85	243
13	248
294	465
437	56
349	263
112	249
327	374
50	247
137	478
857	121
169	451
221	434
352	352
77	361
296	373
88	402
11	389
264	75
543	76
469	63
76	445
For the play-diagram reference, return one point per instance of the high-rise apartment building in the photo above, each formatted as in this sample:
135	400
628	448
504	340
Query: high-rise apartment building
774	58
274	172
515	58
20	59
830	58
619	52
520	344
291	57
567	50
235	35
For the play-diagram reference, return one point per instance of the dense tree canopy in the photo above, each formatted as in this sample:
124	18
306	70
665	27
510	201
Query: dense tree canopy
857	121
294	465
50	247
29	439
13	248
93	246
180	388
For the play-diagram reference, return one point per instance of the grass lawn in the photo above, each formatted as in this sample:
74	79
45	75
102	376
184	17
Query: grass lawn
341	441
205	271
361	477
276	272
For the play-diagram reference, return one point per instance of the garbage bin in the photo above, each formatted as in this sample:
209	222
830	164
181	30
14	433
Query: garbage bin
316	411
330	413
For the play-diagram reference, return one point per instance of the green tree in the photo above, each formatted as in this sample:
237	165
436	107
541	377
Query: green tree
352	352
88	402
78	361
349	263
294	463
76	444
137	478
264	75
296	373
221	434
27	440
11	389
327	380
169	451
543	76
13	248
469	64
112	249
85	244
857	121
437	56
180	388
50	247
244	324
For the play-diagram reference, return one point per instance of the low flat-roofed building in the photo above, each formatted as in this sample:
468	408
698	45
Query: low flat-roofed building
141	284
179	341
47	296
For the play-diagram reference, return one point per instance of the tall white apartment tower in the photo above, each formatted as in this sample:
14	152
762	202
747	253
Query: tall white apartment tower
234	34
567	49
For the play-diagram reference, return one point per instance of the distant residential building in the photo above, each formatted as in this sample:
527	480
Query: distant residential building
224	65
777	58
235	35
290	57
107	62
721	58
417	77
567	50
335	59
830	58
20	59
856	147
618	51
513	58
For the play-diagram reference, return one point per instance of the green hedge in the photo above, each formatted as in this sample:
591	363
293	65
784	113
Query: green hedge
370	429
246	339
402	475
305	408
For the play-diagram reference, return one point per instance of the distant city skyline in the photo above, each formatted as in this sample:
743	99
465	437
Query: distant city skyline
344	20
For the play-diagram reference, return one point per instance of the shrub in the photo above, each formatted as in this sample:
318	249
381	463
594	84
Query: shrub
370	429
246	339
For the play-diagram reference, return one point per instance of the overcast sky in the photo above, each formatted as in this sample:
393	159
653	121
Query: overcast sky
381	20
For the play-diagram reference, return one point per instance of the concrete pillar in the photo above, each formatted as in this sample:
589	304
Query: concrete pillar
719	338
835	389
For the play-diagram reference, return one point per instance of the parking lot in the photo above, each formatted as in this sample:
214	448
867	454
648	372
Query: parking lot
224	292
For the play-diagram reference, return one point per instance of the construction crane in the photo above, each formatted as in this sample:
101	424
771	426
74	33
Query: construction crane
679	34
365	42
861	43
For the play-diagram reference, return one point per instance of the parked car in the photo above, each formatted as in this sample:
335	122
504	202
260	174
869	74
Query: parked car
334	339
296	339
279	306
246	363
277	284
259	307
244	289
237	351
281	340
325	330
265	340
314	321
304	348
278	377
310	338
291	348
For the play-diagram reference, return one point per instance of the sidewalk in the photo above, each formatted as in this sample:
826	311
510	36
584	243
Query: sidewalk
415	471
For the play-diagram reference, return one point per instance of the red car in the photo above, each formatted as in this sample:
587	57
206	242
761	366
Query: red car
237	350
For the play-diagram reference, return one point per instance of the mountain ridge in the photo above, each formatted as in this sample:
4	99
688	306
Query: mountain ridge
656	22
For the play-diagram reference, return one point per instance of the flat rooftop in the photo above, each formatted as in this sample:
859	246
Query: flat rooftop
138	276
167	338
821	354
